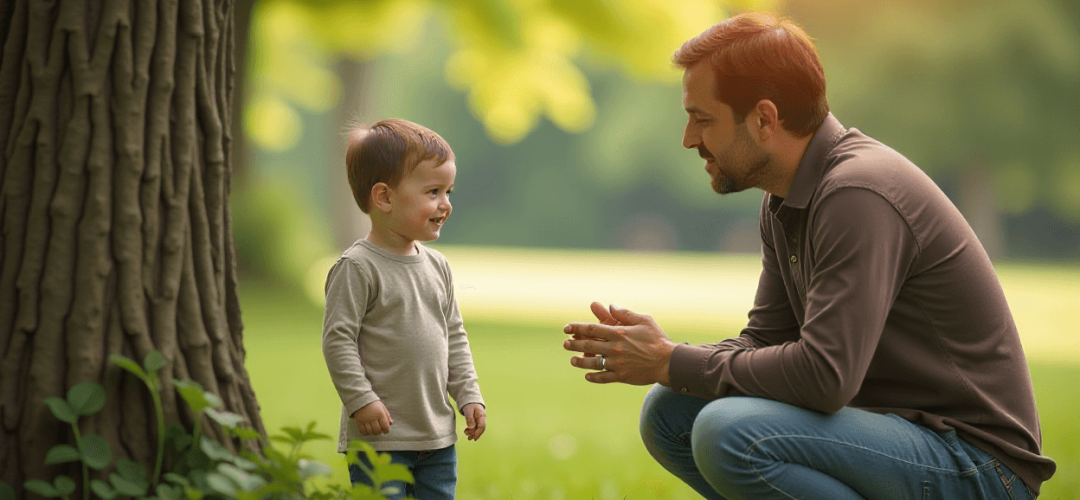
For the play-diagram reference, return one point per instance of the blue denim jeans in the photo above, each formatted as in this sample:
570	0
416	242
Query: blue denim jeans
434	472
754	448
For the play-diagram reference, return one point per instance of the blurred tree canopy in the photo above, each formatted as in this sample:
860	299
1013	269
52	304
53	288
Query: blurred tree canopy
516	60
566	116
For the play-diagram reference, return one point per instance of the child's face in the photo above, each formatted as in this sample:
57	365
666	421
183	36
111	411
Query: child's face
421	201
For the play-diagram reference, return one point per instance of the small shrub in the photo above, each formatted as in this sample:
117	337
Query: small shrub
201	468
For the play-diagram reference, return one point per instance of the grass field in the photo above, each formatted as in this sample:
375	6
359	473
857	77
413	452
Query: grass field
552	435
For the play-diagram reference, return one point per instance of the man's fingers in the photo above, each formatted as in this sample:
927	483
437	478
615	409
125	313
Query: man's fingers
582	337
627	316
602	377
384	423
603	332
587	363
602	314
586	346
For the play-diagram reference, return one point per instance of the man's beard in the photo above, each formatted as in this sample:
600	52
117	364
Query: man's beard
740	165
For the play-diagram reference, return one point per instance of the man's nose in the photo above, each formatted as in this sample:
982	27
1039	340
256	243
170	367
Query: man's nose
689	138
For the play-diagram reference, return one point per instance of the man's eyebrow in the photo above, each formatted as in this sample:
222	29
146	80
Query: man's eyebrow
694	110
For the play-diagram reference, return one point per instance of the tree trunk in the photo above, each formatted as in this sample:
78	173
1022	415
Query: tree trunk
348	222
976	201
116	234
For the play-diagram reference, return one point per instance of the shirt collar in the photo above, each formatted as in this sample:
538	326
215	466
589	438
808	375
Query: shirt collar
813	163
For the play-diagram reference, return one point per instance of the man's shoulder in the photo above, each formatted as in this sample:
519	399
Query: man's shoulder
862	162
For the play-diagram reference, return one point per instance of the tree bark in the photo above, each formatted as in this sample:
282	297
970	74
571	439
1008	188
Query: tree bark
115	232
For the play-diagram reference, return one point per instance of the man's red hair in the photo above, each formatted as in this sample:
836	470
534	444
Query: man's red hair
757	56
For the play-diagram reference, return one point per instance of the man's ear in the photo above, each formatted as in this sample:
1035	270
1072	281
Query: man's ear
380	197
765	120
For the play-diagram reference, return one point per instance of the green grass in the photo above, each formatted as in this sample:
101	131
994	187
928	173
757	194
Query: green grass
551	434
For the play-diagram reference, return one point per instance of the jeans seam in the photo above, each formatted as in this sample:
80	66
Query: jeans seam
977	468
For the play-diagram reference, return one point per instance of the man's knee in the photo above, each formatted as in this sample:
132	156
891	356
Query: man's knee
652	410
728	427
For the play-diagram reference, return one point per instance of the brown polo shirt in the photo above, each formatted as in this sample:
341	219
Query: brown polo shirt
876	294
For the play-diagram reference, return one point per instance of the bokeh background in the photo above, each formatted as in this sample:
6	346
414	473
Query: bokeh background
566	120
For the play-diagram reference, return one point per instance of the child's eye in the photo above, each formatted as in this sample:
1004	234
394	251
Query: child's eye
434	192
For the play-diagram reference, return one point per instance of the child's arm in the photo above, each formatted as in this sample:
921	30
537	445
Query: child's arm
347	291
462	381
475	420
374	419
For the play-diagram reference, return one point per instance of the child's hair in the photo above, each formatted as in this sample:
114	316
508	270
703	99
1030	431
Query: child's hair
386	152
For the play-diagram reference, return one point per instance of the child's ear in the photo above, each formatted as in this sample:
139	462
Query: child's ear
380	197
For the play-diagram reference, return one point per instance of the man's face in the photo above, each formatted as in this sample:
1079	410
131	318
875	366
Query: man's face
732	158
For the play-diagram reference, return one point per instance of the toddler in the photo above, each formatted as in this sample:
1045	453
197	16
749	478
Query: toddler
393	337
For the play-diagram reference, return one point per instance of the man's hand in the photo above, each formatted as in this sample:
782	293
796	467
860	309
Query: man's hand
634	349
475	420
373	419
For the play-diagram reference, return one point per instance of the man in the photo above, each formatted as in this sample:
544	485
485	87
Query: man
880	359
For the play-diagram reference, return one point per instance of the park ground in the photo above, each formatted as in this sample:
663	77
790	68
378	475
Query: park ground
551	434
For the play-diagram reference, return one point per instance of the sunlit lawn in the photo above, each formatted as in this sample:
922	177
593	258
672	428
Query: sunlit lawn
553	435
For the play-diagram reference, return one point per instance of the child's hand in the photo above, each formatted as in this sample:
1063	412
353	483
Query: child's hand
475	420
373	419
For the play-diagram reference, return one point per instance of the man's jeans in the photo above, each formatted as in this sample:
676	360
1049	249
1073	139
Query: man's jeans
754	448
434	472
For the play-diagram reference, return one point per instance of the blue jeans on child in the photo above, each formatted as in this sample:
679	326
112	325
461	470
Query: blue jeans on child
434	473
743	447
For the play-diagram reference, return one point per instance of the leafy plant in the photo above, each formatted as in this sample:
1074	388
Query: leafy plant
203	468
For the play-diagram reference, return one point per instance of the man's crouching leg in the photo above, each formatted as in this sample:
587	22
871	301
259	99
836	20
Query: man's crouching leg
667	421
749	447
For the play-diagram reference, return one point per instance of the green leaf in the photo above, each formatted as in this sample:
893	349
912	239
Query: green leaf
132	471
224	418
128	364
214	449
308	468
64	485
154	361
7	492
125	487
245	433
62	410
175	478
393	472
193	393
41	488
102	489
62	454
246	481
177	437
244	463
221	484
95	451
86	398
167	492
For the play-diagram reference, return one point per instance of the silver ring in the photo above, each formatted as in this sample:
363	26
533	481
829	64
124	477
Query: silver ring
603	362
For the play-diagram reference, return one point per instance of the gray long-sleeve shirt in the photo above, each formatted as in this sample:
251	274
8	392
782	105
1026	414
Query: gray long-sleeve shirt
876	294
392	332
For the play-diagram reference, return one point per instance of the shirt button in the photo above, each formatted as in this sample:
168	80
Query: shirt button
794	259
683	390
